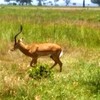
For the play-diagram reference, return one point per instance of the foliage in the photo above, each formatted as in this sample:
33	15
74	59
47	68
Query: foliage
67	2
7	0
96	1
24	1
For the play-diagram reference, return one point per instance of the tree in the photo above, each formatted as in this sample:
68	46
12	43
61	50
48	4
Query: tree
24	1
67	2
96	1
83	3
6	0
39	4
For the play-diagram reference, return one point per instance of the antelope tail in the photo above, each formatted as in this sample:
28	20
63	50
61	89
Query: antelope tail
61	54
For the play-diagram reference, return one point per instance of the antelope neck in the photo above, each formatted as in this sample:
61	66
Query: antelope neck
23	48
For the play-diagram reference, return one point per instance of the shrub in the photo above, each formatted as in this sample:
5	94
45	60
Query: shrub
40	71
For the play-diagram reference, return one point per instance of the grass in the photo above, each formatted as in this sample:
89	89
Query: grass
76	30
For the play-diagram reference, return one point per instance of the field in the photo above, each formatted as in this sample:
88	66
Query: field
77	30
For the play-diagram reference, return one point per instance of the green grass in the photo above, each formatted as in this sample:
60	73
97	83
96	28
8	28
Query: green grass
77	30
61	25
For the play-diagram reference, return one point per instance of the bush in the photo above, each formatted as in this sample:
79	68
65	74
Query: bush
40	71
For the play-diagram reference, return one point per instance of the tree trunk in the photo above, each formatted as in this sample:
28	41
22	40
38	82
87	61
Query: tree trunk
83	3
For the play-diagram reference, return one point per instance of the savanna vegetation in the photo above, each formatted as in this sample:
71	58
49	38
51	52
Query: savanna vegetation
77	30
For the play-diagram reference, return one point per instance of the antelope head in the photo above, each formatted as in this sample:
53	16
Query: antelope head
16	43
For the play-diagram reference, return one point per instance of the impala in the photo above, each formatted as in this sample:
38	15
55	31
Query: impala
36	50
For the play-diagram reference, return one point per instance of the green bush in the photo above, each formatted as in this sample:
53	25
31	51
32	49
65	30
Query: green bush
40	71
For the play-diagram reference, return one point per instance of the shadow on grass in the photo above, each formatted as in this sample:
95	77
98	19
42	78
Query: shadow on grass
93	86
92	83
90	77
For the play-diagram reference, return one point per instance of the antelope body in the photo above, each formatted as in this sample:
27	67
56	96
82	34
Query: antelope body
35	50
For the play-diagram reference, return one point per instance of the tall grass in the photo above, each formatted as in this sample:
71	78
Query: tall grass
74	27
77	31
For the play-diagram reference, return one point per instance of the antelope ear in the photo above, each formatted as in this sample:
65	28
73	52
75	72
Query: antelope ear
20	40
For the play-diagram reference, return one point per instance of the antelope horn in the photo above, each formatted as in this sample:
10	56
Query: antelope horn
18	34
